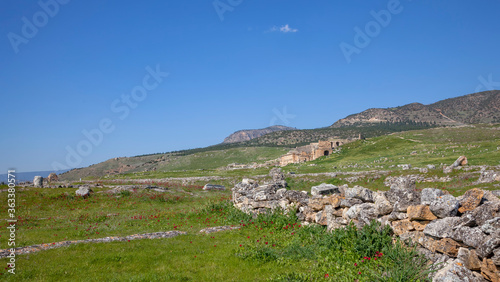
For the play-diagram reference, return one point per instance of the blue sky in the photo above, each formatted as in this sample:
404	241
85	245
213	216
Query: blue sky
228	69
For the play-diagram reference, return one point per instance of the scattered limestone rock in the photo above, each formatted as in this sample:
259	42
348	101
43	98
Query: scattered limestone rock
38	181
403	182
218	229
405	166
210	187
461	161
248	181
488	176
423	170
324	189
84	191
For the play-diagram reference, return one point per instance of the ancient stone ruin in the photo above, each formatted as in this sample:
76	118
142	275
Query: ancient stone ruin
462	232
52	177
314	150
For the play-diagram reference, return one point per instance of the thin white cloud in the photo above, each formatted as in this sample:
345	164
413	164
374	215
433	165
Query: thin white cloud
285	29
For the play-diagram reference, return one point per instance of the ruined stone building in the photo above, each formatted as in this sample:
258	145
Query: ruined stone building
313	151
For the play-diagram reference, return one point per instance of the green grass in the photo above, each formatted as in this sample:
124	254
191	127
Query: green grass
173	165
272	246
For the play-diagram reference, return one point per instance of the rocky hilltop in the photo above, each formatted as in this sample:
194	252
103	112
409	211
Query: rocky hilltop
482	107
249	134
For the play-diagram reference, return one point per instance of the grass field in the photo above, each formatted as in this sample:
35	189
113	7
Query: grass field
273	247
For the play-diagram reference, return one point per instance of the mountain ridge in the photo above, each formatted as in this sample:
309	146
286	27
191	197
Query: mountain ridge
249	134
481	107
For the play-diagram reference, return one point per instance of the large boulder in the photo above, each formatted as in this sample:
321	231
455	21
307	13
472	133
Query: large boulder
445	206
84	191
38	181
441	228
324	189
358	192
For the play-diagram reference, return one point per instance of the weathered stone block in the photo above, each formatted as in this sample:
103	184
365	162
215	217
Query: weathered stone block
471	200
420	212
325	189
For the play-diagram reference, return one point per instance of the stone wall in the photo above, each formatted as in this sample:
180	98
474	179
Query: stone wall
461	232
